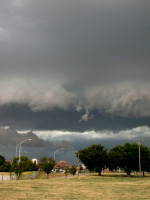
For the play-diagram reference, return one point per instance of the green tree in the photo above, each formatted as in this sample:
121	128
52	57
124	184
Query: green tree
115	157
127	158
130	158
25	164
47	165
73	169
145	159
16	167
29	165
66	171
2	160
93	157
5	167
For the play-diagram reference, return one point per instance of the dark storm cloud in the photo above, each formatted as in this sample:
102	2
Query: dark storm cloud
66	143
9	136
66	54
22	118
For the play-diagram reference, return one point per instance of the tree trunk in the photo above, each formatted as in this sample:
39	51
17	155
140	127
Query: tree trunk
128	173
47	175
99	173
143	173
18	176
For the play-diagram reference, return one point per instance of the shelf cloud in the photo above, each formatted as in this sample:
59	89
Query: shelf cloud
122	100
128	135
76	54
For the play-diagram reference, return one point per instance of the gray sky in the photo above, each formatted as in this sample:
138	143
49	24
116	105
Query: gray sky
74	70
76	54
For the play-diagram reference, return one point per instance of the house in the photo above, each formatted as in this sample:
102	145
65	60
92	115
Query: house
61	165
34	160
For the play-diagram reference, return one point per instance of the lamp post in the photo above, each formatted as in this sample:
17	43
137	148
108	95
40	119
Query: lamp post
16	149
56	152
20	146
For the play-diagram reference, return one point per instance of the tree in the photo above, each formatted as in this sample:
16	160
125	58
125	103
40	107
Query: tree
5	167
73	169
2	160
47	165
115	157
145	159
93	157
25	164
16	167
130	158
127	158
29	165
66	171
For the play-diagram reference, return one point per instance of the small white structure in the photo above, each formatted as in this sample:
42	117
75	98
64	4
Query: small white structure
34	160
83	166
7	177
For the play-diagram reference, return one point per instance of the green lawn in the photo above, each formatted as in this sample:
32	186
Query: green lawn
82	187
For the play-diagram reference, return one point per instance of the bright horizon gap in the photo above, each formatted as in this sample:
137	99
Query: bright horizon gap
137	132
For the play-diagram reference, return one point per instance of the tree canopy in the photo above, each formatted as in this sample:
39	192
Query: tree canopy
4	165
73	170
145	159
25	164
94	157
47	165
127	158
2	160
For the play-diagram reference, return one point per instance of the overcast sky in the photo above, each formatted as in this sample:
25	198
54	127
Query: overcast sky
78	65
76	54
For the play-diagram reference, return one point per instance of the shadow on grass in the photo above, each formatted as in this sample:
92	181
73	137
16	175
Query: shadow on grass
121	175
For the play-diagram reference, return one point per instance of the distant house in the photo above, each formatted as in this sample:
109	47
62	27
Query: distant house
61	165
34	160
106	170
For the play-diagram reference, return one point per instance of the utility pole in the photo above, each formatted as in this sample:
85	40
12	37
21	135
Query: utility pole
78	164
139	143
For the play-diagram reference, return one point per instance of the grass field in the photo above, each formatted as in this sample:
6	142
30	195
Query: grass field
78	187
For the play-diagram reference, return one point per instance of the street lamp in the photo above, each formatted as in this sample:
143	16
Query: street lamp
19	144
56	152
16	149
